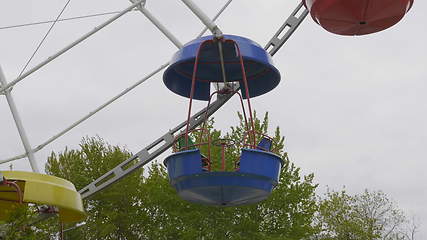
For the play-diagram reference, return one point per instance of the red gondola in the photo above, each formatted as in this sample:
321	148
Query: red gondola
357	17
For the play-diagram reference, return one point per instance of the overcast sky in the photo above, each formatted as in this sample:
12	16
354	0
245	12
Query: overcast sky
353	109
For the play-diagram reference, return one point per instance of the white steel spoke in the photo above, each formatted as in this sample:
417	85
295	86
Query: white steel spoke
19	125
65	49
203	17
159	25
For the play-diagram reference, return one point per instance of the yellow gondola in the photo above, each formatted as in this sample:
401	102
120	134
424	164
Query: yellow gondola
29	187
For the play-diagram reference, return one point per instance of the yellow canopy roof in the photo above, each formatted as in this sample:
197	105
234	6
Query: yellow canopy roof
41	189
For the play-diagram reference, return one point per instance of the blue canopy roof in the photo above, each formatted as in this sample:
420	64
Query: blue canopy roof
262	76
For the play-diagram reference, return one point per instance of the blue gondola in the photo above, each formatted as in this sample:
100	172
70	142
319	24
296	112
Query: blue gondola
252	182
256	172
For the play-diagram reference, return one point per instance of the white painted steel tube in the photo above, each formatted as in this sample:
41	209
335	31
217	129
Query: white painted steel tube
65	49
100	107
160	26
14	158
203	17
19	125
215	18
41	146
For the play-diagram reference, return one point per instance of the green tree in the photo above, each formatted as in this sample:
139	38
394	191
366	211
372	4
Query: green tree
111	213
287	214
145	206
366	216
20	225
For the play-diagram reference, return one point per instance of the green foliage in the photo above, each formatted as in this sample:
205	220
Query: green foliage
145	206
236	139
287	214
111	213
366	216
23	225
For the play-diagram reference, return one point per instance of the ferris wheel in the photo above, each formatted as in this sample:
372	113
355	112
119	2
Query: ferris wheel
221	65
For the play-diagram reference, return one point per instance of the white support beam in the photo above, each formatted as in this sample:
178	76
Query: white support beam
19	125
159	25
90	114
17	157
73	44
215	18
100	107
203	17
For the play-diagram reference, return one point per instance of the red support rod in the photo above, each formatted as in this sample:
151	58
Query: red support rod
244	111
245	81
206	112
193	84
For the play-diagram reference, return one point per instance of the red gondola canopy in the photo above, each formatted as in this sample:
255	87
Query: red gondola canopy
357	17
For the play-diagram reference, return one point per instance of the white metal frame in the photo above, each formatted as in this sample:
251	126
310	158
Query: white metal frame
153	20
163	143
203	17
71	45
139	5
18	123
